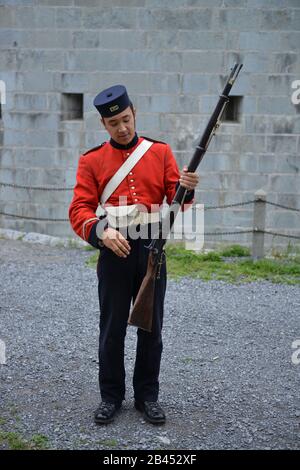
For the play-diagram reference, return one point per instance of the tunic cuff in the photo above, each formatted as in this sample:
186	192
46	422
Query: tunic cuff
94	240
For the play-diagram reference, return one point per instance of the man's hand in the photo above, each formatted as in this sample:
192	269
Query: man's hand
115	241
188	179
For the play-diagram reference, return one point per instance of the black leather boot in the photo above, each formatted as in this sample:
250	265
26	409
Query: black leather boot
105	412
152	411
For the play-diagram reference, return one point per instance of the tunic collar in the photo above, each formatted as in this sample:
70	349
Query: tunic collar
127	146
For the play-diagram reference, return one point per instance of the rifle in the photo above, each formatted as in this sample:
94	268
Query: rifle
142	312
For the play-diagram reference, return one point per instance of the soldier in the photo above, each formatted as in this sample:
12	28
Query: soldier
150	173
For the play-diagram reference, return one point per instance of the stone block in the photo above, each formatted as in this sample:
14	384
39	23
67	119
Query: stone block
37	81
202	40
110	3
39	60
257	62
288	164
185	3
7	17
273	4
68	18
267	164
279	85
39	158
248	103
211	181
285	125
287	62
253	182
147	123
76	82
290	200
290	40
158	83
250	143
8	60
248	163
283	219
58	3
221	143
7	158
164	40
69	139
109	18
283	19
195	84
282	144
127	39
274	105
288	184
34	18
30	120
92	139
213	218
260	41
238	217
65	158
85	39
30	102
258	124
238	18
236	196
175	19
199	61
208	198
216	162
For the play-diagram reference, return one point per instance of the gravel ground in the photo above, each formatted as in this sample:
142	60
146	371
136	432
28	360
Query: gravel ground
227	377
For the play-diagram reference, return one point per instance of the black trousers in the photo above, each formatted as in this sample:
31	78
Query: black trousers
119	282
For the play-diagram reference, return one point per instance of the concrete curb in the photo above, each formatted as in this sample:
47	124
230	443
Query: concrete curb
42	239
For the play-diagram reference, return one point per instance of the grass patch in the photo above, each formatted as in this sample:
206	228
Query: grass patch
215	266
92	261
109	443
235	251
39	441
14	441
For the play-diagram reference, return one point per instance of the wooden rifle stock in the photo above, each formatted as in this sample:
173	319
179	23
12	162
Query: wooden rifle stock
142	313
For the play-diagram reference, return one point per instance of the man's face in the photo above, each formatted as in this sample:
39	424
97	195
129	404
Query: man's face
121	127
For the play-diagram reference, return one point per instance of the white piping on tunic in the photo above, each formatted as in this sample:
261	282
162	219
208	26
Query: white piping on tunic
85	224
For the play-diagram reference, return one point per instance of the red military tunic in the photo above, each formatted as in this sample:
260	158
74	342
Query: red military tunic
152	178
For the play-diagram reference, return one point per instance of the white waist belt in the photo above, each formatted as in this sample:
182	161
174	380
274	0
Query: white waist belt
124	216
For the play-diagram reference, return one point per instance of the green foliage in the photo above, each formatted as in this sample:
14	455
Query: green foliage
14	441
92	261
235	251
214	265
181	262
39	441
109	443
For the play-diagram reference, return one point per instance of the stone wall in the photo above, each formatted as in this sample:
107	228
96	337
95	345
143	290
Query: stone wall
173	56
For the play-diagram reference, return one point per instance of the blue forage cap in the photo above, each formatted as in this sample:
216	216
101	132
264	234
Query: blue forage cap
112	101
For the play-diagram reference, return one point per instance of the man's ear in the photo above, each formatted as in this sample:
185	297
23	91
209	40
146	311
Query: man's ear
102	122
